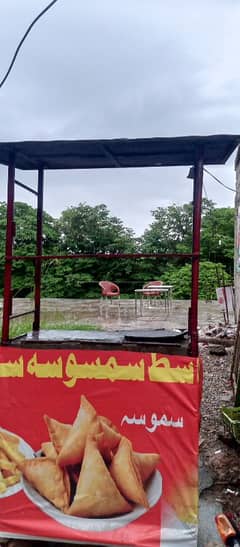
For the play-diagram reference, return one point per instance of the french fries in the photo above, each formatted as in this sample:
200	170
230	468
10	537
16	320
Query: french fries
11	460
3	486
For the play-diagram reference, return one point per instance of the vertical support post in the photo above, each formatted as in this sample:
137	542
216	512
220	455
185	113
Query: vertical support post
197	204
10	232
38	262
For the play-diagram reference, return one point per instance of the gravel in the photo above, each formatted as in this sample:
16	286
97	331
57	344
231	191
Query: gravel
218	451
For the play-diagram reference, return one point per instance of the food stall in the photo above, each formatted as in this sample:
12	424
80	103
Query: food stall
99	430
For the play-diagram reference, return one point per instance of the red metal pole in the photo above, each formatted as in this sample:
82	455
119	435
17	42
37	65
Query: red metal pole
38	262
197	205
103	255
10	231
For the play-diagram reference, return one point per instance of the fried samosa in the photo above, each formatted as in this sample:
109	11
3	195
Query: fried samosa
73	448
146	464
49	480
112	438
48	450
109	423
97	494
58	432
126	474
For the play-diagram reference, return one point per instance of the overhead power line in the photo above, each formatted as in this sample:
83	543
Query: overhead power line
23	40
205	191
219	181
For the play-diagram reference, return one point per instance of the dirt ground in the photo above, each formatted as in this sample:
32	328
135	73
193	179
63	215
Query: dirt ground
220	453
114	315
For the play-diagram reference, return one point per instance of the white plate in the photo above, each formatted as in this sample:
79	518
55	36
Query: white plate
27	451
153	491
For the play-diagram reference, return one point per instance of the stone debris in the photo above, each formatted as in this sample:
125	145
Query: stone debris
217	350
220	453
219	331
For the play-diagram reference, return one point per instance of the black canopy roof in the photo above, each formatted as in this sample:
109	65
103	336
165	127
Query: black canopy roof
94	154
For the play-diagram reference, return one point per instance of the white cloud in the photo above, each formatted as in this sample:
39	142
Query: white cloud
130	68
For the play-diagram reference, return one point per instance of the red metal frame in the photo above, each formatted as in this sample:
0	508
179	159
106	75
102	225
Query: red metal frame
7	294
38	258
9	258
197	205
106	256
38	261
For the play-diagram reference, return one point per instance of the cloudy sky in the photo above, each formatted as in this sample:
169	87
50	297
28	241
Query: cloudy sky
121	68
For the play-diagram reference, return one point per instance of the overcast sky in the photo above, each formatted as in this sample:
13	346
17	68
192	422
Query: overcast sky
121	68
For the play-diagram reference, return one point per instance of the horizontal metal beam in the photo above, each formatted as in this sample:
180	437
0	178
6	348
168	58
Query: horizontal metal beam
14	315
28	188
105	255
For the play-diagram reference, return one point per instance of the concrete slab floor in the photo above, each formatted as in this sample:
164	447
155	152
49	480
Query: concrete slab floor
208	509
207	532
116	315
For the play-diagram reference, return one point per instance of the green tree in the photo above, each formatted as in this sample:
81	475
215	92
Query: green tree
180	278
86	229
25	244
170	231
217	236
25	218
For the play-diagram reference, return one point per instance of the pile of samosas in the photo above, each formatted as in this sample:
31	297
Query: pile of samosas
88	469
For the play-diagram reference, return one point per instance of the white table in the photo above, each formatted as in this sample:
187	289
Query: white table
163	288
151	290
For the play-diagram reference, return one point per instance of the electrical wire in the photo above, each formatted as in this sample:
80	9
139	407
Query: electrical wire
219	181
23	40
205	191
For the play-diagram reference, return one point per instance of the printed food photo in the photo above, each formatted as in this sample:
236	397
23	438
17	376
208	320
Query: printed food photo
93	452
87	469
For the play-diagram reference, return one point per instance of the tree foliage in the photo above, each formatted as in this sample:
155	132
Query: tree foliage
180	278
170	231
217	238
25	218
86	229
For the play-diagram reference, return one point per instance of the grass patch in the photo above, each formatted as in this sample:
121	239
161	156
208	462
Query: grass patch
18	328
68	326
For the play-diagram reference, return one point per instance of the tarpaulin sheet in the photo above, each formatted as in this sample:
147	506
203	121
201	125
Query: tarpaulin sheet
99	447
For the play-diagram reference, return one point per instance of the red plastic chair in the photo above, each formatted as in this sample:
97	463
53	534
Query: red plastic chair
152	284
109	289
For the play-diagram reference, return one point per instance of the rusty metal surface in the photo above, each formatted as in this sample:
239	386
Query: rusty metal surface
109	340
118	153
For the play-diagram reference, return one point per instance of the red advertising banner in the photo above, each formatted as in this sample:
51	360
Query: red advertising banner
99	447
